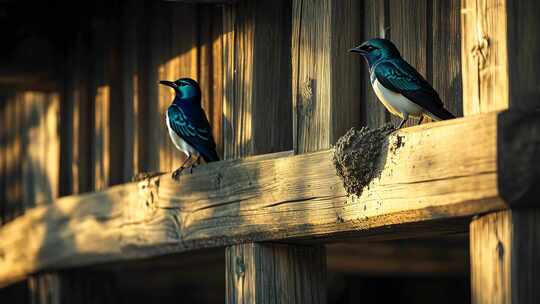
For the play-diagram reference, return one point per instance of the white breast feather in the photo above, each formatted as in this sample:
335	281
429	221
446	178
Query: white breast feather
396	103
180	144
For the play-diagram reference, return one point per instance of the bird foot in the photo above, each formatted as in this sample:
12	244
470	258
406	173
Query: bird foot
177	173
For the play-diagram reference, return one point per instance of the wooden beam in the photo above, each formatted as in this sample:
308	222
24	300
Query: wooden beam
325	76
504	257
269	198
275	273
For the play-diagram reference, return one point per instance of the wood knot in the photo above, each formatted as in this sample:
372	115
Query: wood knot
480	52
500	250
305	100
240	267
307	90
219	179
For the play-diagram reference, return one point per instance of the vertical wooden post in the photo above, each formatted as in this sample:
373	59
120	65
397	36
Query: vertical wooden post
275	273
500	63
256	85
326	78
85	287
258	119
505	257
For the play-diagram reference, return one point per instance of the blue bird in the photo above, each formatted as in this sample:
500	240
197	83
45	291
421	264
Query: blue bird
187	123
402	90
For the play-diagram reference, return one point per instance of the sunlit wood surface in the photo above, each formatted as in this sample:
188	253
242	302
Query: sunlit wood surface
450	167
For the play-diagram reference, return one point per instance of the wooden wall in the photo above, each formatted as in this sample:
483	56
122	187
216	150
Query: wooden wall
114	92
427	33
30	151
255	61
275	76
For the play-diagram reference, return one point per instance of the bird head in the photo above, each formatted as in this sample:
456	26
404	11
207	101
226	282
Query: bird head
376	49
184	88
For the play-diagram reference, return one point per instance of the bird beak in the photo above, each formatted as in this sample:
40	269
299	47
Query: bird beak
168	83
357	50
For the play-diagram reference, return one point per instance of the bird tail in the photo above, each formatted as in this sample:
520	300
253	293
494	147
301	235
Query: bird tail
441	114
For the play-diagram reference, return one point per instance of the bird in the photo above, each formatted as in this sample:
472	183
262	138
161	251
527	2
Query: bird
398	86
187	124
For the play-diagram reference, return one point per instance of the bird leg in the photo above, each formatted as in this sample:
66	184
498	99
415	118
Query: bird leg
195	164
402	123
421	118
177	172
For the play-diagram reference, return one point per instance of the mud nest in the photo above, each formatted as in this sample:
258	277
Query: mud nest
356	154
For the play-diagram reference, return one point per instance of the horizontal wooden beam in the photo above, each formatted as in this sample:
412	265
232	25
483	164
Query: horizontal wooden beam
430	175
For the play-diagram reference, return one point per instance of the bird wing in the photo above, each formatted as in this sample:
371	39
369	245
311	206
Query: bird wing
400	77
192	126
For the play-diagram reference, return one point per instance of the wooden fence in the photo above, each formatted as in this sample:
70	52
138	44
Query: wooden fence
279	88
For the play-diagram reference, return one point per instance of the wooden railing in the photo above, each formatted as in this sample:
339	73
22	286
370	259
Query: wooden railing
439	177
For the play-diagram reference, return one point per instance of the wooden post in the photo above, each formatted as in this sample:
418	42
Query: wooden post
258	119
275	273
499	65
505	265
326	78
85	287
257	107
500	59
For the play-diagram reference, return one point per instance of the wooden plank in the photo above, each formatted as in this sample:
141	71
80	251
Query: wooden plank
85	118
445	59
275	273
256	85
113	79
151	58
484	56
504	257
131	18
504	245
325	85
268	199
100	94
211	68
375	23
18	192
523	52
409	31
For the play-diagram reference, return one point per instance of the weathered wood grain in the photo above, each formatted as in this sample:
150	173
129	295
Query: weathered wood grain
131	23
275	273
256	82
504	257
210	67
40	147
484	56
444	64
101	98
409	30
326	77
450	167
375	25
